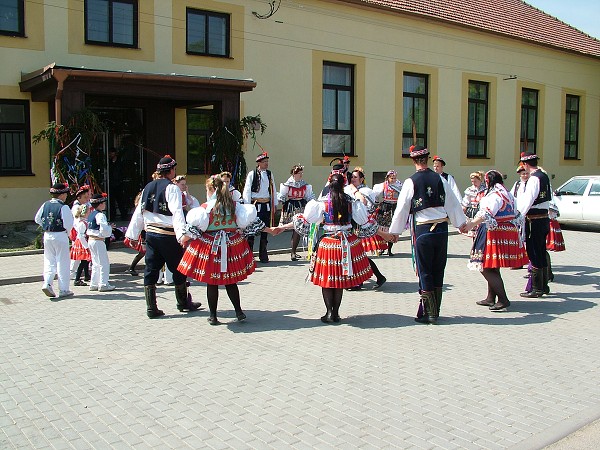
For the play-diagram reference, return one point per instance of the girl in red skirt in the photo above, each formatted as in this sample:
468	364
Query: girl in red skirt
339	260
80	250
498	242
219	254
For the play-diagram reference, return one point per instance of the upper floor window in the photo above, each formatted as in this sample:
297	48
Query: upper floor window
200	125
15	149
207	33
12	17
477	135
338	109
529	120
572	127
414	111
111	22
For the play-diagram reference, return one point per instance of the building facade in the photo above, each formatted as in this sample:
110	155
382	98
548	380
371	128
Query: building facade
476	82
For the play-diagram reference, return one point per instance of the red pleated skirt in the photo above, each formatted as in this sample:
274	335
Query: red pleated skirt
198	262
328	271
78	252
374	244
498	248
555	241
138	246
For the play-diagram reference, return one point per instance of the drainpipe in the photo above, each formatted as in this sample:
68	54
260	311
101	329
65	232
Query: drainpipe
60	77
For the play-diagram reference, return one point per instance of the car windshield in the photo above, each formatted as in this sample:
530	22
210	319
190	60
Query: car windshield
574	187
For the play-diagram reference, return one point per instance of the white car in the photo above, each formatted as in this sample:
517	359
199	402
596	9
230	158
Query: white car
578	200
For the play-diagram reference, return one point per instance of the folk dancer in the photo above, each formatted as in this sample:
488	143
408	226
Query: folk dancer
533	204
499	241
82	197
428	199
439	167
160	213
56	220
235	194
97	231
80	249
387	195
294	194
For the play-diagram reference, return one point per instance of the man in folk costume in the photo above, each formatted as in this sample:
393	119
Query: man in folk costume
259	190
428	200
160	213
439	166
56	220
533	203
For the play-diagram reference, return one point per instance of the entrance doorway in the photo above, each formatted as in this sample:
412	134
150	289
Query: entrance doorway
118	160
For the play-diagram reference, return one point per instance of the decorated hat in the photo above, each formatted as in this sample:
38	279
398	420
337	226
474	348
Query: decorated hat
59	188
418	151
528	157
520	167
99	198
345	160
439	158
82	189
166	163
337	168
391	172
262	157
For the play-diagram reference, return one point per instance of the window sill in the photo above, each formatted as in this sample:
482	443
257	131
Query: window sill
19	174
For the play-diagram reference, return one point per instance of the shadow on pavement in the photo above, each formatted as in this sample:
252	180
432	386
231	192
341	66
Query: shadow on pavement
260	321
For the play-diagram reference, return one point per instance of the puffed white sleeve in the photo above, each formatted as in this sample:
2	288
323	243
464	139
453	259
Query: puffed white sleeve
283	193
198	217
309	194
244	215
313	211
360	214
378	190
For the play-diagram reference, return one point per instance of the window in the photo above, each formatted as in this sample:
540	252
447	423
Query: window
338	109
414	111
200	125
572	127
478	119
574	187
12	21
595	188
207	33
529	118
15	150
111	22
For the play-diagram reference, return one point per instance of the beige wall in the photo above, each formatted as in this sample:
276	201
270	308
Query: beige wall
284	55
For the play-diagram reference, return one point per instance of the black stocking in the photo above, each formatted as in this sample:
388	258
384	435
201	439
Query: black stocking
137	258
234	295
212	295
337	301
295	242
375	269
495	284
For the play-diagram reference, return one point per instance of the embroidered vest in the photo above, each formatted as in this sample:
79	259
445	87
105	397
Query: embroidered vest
389	194
92	225
296	193
257	179
155	198
544	195
428	191
52	216
328	214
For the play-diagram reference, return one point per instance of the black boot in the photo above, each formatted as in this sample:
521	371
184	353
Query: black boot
545	280
438	299
549	264
151	309
430	310
389	252
184	303
328	294
263	254
537	284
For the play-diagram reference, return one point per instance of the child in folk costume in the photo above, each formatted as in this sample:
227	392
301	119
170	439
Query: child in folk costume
499	241
387	193
80	250
98	230
56	220
82	197
218	253
294	194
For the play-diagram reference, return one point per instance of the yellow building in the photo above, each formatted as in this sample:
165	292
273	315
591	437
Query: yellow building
358	77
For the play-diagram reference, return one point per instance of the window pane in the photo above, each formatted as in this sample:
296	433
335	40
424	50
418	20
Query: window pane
12	113
475	147
478	91
480	122
337	144
419	114
337	75
471	119
196	33
595	189
344	122
217	37
9	15
97	20
123	23
414	84
408	141
531	113
203	121
329	102
197	150
13	150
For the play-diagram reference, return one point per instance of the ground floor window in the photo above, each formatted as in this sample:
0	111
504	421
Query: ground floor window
15	142
200	125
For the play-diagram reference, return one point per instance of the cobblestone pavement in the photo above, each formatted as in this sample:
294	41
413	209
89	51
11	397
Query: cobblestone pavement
92	371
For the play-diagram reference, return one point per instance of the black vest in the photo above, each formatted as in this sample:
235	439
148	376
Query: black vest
52	216
445	175
545	195
92	225
256	181
429	191
155	197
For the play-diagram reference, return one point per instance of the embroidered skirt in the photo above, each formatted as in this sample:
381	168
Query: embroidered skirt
201	264
139	246
497	248
374	244
290	209
385	212
554	240
328	269
79	253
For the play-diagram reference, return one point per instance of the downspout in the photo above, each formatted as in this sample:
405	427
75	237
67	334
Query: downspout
60	78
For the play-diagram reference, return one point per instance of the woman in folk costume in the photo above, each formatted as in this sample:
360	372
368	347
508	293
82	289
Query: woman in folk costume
235	194
387	193
375	243
294	194
499	241
80	250
218	253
